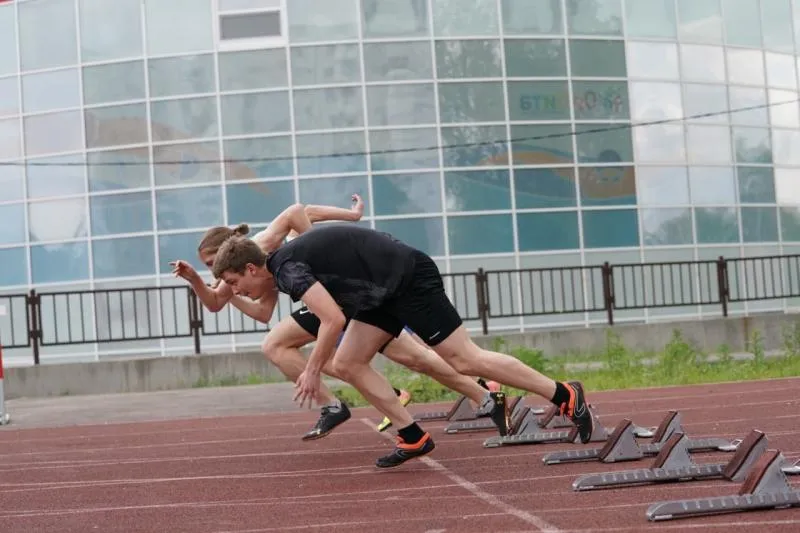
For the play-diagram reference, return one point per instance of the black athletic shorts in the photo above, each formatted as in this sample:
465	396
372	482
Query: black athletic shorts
423	306
310	322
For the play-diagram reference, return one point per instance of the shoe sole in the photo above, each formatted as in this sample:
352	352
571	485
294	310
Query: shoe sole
407	460
322	435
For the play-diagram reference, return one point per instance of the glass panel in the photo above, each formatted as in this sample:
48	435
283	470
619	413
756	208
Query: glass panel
600	100
752	145
544	187
468	59
614	228
116	125
405	194
178	26
12	230
538	100
121	213
8	39
602	59
540	232
10	180
535	58
666	226
781	71
535	17
394	18
743	98
47	34
183	119
660	144
110	30
181	164
252	69
702	63
114	82
425	234
787	186
181	246
404	149
650	18
319	109
206	202
134	256
708	144
333	191
246	114
712	185
10	145
52	133
474	145
451	19
598	146
745	67
319	153
15	260
790	224
742	19
662	185
482	190
174	76
653	60
759	224
480	234
542	145
607	186
9	97
699	21
53	263
250	25
324	65
38	94
266	158
786	147
599	17
57	220
106	173
258	202
784	111
776	22
656	101
471	102
56	176
708	103
322	20
397	61
394	105
756	185
716	224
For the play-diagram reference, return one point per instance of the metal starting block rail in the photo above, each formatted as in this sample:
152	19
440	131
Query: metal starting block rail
460	411
515	406
765	487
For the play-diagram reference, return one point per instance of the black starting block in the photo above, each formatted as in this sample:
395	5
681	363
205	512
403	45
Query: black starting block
515	406
461	410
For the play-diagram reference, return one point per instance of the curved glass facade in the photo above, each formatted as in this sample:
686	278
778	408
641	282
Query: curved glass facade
489	133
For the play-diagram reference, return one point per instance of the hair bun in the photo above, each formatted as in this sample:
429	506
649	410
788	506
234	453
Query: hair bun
242	229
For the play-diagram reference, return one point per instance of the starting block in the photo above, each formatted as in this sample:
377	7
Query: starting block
461	410
765	487
515	405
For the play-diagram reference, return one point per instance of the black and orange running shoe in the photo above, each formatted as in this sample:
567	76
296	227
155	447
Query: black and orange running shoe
403	451
578	411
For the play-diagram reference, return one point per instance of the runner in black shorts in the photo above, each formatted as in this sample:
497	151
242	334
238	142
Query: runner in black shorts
384	285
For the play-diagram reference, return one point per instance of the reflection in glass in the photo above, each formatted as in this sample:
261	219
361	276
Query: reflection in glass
471	102
105	172
53	133
776	22
116	125
451	19
8	39
404	149
178	26
10	145
174	76
395	18
333	191
534	17
206	211
15	261
468	59
535	58
607	186
542	145
756	185
53	263
110	30
742	98
600	100
251	113
319	109
780	71
247	159
700	21
331	153
56	176
179	246
790	224
252	69
132	256
745	67
121	213
662	185
401	104
595	17
787	186
397	61
614	228
595	58
539	232
47	34
10	180
603	143
716	225
652	60
323	65
425	234
742	19
786	147
57	220
752	145
38	94
712	185
12	230
650	18
544	187
706	103
708	144
660	144
666	226
405	194
9	97
259	201
538	100
113	82
482	190
322	20
474	146
177	164
174	120
480	234
656	101
702	63
759	224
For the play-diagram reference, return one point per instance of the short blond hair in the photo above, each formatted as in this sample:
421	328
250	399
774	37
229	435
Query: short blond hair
235	254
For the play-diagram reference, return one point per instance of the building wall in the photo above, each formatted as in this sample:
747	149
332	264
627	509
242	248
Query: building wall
489	133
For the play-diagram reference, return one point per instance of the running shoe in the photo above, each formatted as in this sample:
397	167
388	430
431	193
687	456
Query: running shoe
403	451
578	411
329	418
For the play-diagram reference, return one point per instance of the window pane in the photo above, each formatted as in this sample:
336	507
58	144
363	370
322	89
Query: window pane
653	60
540	232
480	234
752	145
744	97
538	100
110	30
781	71
174	76
47	34
544	187
468	59
133	256
708	144
535	17
471	102
598	146
121	213
707	103
38	94
604	59
114	82
790	224
702	63
599	17
12	230
786	147
650	18
15	271
181	164
250	25
268	158
599	100
393	18
8	39
404	149
56	176
319	153
610	229
258	202
700	21
425	234
656	101
184	119
178	26
607	186
776	18
322	20
542	145
474	145
10	145
318	109
252	69
759	224
787	186
244	114
535	58
206	209
483	190
662	185
666	226
10	180
712	185
323	65
397	61
660	144
333	191
756	185
116	125
742	19
394	105
9	97
53	263
745	67
451	19
52	133
106	173
56	220
404	194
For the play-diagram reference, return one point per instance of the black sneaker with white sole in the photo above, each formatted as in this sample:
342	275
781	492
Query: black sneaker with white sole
329	418
403	451
578	411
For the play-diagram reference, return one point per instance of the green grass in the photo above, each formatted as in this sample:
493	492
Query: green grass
678	363
233	381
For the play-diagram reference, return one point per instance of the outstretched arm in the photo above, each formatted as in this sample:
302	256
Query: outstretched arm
293	217
319	213
213	298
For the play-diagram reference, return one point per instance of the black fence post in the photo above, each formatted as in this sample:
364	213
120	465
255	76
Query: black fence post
34	333
722	284
608	292
195	320
483	301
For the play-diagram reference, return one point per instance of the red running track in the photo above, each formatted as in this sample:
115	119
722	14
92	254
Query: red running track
253	474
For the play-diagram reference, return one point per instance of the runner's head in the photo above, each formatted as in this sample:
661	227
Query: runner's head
240	263
213	239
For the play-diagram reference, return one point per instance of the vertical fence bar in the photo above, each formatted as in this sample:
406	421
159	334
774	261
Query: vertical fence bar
722	283
608	292
34	332
483	303
195	320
